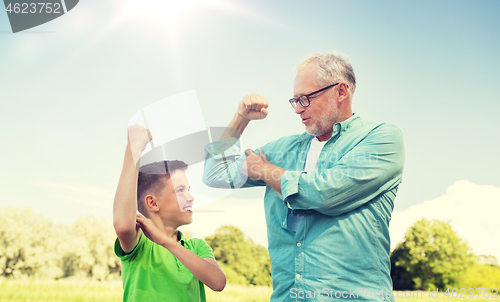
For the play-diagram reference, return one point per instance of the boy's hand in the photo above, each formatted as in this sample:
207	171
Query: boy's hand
138	138
153	232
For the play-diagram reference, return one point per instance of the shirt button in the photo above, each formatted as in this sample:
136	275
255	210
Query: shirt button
298	244
283	223
297	276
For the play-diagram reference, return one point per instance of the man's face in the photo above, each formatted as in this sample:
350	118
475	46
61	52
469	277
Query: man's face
320	116
176	203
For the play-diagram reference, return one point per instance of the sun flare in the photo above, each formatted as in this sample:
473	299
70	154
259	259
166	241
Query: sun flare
170	15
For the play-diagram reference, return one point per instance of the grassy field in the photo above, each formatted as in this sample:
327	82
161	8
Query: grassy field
86	291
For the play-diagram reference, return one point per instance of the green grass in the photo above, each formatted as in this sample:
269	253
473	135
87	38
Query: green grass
240	293
60	291
88	291
111	291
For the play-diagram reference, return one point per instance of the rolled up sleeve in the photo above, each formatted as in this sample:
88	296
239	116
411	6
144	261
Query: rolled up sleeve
372	167
223	163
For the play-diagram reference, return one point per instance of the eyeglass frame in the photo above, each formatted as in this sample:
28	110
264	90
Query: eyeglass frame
293	101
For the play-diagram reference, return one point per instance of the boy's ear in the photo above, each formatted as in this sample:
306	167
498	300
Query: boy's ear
151	203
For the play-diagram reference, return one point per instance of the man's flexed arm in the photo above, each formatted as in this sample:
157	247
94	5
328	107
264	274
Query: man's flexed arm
252	107
125	203
222	164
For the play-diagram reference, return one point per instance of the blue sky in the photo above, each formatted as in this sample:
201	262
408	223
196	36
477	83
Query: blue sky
69	87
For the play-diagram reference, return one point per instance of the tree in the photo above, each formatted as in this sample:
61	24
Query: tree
485	273
31	246
481	276
87	250
243	261
431	256
27	246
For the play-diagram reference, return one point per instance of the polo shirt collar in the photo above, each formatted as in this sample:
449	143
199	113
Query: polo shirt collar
181	238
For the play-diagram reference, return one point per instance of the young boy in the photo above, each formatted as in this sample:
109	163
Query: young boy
158	262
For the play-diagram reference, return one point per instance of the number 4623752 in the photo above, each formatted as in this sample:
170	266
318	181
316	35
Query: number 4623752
34	8
463	293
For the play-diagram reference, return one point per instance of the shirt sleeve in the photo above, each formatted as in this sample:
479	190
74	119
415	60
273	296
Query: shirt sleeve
126	257
372	167
223	163
202	249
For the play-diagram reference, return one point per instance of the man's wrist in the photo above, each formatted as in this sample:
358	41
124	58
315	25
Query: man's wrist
272	176
271	171
239	115
239	122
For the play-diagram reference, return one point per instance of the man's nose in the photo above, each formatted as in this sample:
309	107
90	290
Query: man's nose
299	108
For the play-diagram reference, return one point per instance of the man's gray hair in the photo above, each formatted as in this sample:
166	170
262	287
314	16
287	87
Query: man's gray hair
332	66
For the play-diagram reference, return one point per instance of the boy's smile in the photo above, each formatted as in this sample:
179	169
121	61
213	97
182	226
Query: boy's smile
176	203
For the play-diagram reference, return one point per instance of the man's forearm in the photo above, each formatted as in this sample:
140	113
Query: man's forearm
272	176
235	127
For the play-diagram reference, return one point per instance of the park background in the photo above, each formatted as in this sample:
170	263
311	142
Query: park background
69	87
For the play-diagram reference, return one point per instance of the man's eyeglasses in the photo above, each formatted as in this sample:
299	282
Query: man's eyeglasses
304	99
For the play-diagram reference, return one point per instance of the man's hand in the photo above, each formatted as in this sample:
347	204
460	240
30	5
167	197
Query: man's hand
253	107
255	164
138	138
153	232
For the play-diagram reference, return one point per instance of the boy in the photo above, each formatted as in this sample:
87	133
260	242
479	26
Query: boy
162	265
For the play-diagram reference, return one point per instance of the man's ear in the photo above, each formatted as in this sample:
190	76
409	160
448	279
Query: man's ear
151	203
342	92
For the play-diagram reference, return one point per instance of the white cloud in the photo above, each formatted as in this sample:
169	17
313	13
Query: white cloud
472	211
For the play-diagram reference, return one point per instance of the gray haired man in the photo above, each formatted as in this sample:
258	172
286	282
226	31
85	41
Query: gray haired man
330	191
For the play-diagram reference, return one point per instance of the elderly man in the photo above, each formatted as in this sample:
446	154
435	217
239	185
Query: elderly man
330	191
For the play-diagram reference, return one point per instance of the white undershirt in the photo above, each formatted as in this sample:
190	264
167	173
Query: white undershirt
313	155
311	166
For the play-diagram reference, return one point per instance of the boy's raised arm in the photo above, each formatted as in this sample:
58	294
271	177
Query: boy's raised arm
125	203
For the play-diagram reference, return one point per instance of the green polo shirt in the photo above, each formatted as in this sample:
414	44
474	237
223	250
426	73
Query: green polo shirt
151	273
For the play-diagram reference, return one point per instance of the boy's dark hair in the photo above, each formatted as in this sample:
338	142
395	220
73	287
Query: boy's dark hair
152	179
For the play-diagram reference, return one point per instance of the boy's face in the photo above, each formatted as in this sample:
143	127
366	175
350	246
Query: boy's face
176	203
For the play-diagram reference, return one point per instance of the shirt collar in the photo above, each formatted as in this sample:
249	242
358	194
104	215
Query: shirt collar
348	123
180	237
337	127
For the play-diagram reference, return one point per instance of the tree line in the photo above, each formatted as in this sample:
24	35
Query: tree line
431	255
31	246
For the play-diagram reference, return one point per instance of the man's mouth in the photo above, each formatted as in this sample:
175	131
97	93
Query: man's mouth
304	120
188	208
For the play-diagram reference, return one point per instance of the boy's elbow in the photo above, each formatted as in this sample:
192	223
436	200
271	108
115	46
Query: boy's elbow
122	230
220	285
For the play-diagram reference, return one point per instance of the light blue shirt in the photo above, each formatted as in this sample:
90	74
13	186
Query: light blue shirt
341	247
